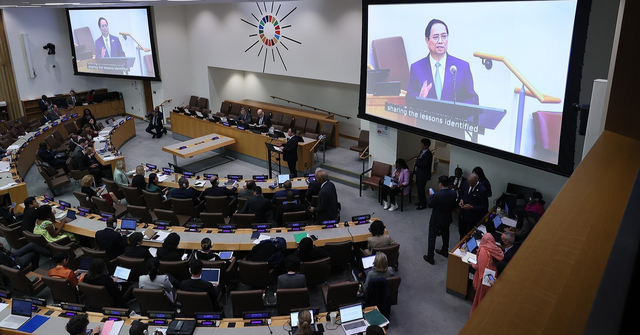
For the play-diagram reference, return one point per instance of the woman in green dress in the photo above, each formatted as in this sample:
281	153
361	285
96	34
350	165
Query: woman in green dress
45	227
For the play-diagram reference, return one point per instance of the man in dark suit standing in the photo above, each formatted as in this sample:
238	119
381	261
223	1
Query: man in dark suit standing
422	171
196	284
110	240
327	208
473	205
262	120
457	181
44	103
314	187
155	123
290	152
257	205
107	45
443	202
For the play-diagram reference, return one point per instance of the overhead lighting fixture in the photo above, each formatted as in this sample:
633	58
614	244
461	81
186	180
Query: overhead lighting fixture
8	6
138	0
62	4
29	6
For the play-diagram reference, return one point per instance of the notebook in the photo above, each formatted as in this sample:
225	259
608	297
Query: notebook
211	275
352	319
388	181
20	314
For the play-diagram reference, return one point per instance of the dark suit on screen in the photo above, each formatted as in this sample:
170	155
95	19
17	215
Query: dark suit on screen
422	171
443	202
421	71
476	197
115	47
327	208
290	155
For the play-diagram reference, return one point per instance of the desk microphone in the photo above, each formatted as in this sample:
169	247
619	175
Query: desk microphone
268	322
453	69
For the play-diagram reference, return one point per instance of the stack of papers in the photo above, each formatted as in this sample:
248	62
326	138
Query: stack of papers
5	166
261	238
469	258
509	222
162	178
13	147
8	186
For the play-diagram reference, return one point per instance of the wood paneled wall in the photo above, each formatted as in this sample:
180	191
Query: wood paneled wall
8	88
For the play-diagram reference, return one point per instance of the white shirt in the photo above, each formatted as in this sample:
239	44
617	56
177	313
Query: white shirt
443	66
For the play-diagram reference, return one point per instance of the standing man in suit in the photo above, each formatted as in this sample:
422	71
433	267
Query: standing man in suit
110	240
44	103
107	45
443	202
196	284
257	205
433	76
422	170
457	181
314	187
473	205
290	151
155	123
73	100
262	120
327	208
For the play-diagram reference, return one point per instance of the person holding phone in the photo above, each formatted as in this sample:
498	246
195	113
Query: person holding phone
488	255
401	179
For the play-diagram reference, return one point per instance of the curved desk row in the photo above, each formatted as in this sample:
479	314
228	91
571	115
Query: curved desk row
120	132
247	142
55	324
240	239
25	155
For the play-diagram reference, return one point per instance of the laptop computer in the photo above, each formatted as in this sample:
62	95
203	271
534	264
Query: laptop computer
121	274
225	255
367	263
294	318
211	275
83	265
20	314
472	244
352	319
128	226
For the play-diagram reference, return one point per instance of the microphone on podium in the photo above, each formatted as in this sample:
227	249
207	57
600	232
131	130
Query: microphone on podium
453	69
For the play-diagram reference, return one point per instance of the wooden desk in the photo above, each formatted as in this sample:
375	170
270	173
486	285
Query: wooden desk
197	146
55	325
247	142
120	136
238	241
322	118
103	109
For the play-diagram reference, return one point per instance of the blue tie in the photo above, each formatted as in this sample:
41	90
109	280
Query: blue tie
106	43
438	81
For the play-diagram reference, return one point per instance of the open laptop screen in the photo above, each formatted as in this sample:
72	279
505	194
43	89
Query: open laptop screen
367	262
497	221
350	313
294	318
211	275
127	224
21	307
122	273
282	178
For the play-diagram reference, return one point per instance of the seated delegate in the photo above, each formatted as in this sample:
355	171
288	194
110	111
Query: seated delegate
99	275
401	179
154	281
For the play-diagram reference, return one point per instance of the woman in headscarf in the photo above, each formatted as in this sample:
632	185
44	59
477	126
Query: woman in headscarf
488	256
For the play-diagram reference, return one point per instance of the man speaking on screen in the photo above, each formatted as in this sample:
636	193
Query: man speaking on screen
433	76
107	45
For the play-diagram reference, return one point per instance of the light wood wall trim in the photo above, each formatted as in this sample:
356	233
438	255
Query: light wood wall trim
549	286
8	88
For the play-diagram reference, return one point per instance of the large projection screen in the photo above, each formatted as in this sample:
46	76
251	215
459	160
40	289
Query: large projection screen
113	42
495	76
